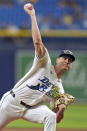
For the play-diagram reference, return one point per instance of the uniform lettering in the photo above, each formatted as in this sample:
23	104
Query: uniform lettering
42	88
45	80
53	92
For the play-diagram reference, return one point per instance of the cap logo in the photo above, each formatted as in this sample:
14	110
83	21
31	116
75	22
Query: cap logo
67	52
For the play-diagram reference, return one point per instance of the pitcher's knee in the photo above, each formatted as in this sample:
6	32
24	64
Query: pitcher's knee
51	117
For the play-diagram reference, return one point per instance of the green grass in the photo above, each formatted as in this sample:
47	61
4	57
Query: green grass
75	117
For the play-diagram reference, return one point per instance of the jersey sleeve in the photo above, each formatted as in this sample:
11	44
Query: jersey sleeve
43	60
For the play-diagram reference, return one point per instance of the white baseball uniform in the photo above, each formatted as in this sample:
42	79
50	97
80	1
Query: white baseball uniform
26	99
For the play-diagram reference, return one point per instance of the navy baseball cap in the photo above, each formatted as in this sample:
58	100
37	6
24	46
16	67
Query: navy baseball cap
67	53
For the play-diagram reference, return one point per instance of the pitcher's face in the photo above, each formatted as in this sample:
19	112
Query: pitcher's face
65	62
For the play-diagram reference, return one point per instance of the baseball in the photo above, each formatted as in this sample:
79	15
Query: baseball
28	6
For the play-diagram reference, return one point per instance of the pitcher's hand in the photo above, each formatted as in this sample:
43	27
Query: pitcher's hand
29	9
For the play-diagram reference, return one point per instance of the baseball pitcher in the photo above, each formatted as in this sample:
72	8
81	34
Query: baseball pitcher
42	84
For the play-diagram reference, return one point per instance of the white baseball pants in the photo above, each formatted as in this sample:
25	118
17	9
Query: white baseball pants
11	109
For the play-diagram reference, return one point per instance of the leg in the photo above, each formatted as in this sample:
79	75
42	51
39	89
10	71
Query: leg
42	114
8	111
4	119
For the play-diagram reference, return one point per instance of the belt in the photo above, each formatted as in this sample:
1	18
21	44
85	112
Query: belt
21	102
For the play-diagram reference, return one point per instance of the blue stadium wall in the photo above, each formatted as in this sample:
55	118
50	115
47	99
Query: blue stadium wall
6	69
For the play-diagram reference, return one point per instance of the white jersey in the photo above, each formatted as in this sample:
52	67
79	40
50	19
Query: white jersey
40	84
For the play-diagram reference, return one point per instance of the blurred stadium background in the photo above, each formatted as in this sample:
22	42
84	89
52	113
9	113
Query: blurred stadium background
63	25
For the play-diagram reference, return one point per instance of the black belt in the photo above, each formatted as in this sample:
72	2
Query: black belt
22	103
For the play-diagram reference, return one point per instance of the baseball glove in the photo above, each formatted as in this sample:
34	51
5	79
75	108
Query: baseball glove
64	99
